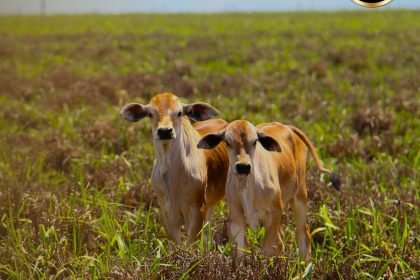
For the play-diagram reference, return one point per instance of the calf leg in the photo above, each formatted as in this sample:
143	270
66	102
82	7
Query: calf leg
172	226
237	230
207	212
302	229
299	204
272	244
193	223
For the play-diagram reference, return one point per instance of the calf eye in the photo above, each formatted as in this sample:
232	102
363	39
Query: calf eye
149	115
179	114
227	143
255	142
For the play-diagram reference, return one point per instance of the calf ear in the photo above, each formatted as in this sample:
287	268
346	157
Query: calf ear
268	142
210	141
200	111
134	112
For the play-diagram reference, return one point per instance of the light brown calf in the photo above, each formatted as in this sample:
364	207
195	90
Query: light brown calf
188	181
267	172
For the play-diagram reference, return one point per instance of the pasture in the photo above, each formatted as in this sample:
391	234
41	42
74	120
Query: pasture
75	195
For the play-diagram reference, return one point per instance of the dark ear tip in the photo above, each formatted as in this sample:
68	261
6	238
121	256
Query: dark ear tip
335	181
122	115
203	146
126	117
210	141
216	112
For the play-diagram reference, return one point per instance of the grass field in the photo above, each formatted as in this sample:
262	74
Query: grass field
75	198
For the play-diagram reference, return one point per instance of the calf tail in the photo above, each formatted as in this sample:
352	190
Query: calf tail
335	180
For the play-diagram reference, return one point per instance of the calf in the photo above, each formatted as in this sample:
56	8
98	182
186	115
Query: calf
267	172
188	181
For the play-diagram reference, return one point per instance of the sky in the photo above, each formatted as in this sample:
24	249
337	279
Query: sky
173	6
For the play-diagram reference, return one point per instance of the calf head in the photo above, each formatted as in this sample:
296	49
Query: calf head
241	139
166	113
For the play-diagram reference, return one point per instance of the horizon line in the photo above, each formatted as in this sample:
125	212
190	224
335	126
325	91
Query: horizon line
262	11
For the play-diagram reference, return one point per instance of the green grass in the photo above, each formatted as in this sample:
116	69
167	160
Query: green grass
75	195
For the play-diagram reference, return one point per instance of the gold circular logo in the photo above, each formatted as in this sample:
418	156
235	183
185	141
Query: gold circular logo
371	3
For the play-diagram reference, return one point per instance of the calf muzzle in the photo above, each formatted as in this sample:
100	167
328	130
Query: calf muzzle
243	168
165	133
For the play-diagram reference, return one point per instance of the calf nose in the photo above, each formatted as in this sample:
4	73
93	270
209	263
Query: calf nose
165	133
243	168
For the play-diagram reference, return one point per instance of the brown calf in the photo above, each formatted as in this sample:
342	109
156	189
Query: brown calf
188	181
267	173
